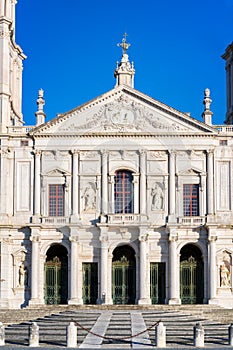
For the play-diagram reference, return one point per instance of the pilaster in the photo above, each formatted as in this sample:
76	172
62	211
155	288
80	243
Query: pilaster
37	186
75	188
143	206
210	184
212	238
172	187
104	182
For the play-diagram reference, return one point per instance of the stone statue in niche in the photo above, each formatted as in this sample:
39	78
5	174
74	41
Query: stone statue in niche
23	275
89	196
157	197
225	271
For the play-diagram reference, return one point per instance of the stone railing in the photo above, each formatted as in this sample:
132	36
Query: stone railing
192	220
224	128
20	129
123	218
56	220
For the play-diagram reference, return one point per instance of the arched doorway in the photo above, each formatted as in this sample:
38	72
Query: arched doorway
191	275
56	275
123	275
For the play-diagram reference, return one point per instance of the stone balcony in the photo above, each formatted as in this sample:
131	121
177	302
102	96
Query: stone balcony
56	220
192	220
125	219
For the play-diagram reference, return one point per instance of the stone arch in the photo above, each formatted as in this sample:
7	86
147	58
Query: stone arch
191	274
123	275
56	275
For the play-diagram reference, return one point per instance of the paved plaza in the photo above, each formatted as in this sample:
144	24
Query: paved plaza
118	329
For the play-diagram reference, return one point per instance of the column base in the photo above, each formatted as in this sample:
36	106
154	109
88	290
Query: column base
172	219
74	219
106	302
36	219
174	301
213	301
35	302
144	301
75	301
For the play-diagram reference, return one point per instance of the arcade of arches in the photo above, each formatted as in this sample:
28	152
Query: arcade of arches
124	277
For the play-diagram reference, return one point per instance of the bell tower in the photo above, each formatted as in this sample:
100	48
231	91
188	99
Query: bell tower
228	57
11	57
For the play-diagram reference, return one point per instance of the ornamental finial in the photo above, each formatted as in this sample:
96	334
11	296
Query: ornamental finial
124	45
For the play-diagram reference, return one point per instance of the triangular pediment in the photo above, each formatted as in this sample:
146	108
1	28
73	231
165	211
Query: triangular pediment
56	172
190	171
122	110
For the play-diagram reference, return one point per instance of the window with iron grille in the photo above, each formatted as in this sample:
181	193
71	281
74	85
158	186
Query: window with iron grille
56	200
123	192
191	200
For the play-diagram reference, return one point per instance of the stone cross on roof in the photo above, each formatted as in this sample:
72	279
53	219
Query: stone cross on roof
124	45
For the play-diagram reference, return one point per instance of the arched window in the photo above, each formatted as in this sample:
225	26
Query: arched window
123	192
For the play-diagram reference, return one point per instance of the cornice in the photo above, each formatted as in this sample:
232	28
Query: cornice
125	134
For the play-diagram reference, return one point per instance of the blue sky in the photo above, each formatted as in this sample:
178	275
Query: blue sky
176	47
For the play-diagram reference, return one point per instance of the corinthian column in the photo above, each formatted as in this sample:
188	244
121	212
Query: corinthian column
210	182
37	188
173	271
104	182
105	293
75	289
35	280
144	271
172	188
142	182
75	190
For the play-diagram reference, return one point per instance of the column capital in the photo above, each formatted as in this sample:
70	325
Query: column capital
104	152
210	151
172	153
173	237
74	239
212	238
37	152
103	238
35	239
142	152
143	238
75	152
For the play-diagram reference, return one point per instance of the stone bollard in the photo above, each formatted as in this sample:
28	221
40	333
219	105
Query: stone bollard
160	335
2	334
230	334
34	335
71	335
199	335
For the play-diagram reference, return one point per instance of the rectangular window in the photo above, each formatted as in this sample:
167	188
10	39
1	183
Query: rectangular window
56	200
223	142
124	192
191	200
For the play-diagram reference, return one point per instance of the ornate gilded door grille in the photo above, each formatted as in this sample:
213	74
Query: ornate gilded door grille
157	283
90	283
56	282
191	281
123	281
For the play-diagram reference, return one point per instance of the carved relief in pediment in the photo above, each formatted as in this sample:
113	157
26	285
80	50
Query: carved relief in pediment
160	155
122	115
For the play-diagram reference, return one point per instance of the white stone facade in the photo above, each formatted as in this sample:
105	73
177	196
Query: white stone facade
122	183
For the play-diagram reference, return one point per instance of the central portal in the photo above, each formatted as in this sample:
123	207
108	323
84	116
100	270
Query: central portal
123	275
